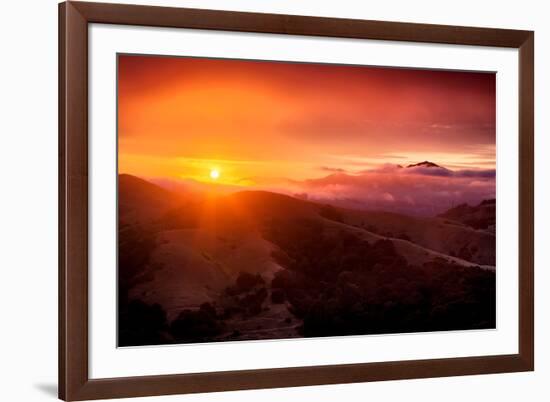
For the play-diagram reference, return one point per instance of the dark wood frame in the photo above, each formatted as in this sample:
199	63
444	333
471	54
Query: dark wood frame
74	382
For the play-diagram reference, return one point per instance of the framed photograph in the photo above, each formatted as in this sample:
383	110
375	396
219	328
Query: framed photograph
259	200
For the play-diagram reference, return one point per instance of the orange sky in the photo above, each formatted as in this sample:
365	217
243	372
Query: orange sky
257	122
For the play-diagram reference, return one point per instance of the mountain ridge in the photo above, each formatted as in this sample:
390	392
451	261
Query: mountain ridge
425	164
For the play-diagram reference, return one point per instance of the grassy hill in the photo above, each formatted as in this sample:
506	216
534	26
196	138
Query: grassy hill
321	270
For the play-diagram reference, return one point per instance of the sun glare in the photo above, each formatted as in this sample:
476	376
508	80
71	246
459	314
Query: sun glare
214	174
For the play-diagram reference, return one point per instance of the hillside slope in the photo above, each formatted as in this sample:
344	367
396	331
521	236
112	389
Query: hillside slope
439	234
248	265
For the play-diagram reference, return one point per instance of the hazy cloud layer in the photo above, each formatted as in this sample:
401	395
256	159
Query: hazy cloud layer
417	190
434	171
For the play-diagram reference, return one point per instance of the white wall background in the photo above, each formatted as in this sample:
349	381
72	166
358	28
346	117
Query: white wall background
28	199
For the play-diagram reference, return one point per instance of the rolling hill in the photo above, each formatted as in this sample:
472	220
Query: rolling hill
203	244
481	216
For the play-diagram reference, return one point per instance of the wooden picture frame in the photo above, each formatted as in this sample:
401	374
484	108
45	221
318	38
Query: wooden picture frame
74	381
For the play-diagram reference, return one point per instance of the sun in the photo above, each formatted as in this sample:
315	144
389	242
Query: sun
214	174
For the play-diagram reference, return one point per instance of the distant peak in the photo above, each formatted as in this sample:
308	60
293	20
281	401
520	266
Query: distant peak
424	164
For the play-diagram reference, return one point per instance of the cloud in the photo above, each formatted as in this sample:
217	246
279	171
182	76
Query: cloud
418	190
432	171
482	173
442	126
332	169
385	168
443	172
429	171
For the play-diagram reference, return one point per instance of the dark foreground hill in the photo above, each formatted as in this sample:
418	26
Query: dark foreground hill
482	216
259	265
